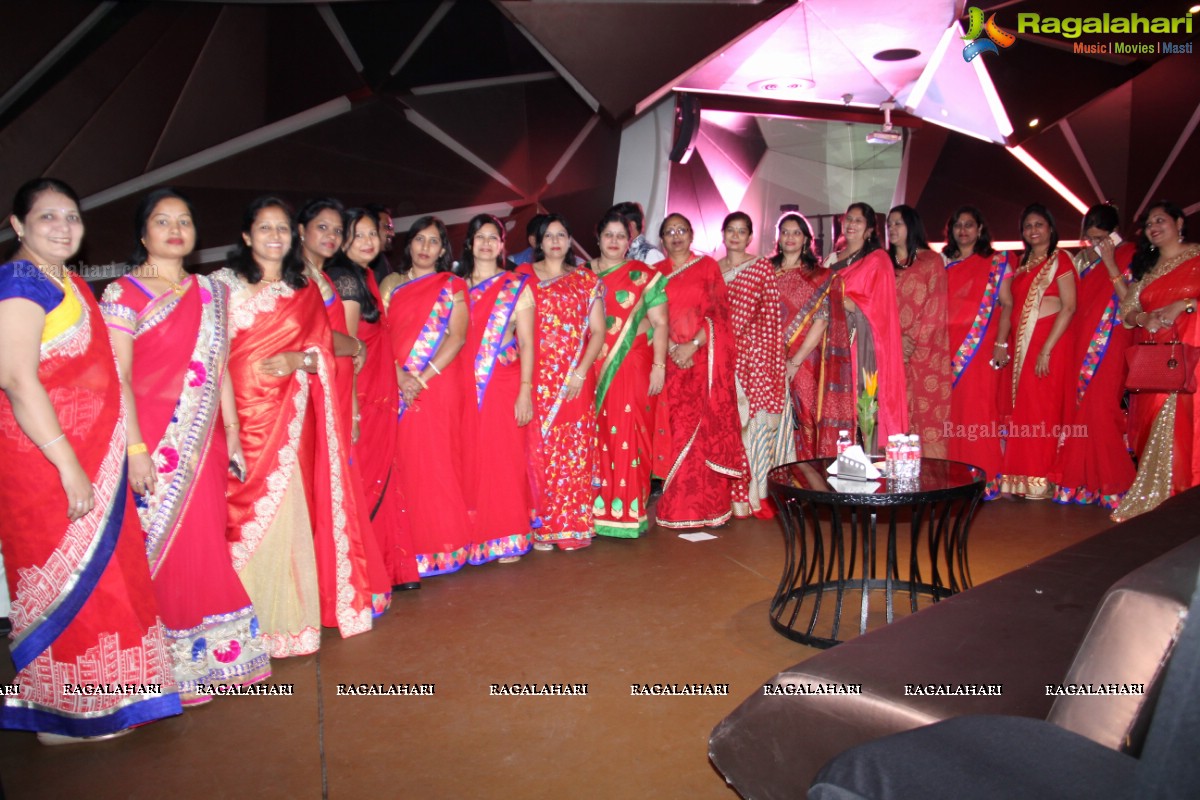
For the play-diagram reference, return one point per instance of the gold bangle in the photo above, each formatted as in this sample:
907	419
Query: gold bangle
663	365
577	375
233	424
52	441
359	349
434	367
137	449
527	383
420	380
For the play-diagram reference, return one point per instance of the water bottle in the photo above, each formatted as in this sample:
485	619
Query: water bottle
843	441
891	456
915	443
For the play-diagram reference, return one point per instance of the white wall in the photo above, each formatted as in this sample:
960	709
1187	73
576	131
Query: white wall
643	170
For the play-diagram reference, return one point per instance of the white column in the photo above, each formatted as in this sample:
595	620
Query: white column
643	170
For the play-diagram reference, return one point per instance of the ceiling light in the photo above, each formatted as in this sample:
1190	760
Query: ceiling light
1194	9
897	54
781	85
1033	123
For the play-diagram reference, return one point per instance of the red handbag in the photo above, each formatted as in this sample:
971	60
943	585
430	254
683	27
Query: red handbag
1162	366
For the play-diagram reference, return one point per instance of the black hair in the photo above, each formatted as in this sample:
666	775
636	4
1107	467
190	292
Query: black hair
466	263
871	243
610	216
535	222
539	254
141	217
444	262
1044	213
662	227
241	257
914	238
1146	255
27	195
309	211
375	209
1103	216
631	211
983	245
808	256
736	215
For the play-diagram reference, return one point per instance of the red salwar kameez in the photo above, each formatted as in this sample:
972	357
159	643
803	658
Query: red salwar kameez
1094	465
972	317
498	449
757	323
624	407
1033	429
430	434
83	610
821	392
294	533
921	298
1164	428
180	350
564	456
698	443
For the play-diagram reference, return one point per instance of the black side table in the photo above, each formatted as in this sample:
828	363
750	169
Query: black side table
824	528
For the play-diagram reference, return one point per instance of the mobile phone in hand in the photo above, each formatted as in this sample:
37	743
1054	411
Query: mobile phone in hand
237	470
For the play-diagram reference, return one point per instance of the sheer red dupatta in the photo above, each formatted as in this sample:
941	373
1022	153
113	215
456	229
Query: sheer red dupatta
277	433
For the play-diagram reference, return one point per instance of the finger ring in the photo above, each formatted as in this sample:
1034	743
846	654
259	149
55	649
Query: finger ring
279	372
79	504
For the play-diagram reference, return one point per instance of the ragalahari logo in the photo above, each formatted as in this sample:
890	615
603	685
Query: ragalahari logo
976	27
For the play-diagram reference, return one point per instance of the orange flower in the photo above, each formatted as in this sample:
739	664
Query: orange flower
870	383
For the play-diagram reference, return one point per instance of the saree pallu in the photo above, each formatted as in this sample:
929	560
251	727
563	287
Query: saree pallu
563	458
1164	428
1035	425
344	384
180	350
83	612
429	436
294	525
1093	465
496	448
759	377
375	453
624	407
972	315
871	284
697	434
821	393
921	298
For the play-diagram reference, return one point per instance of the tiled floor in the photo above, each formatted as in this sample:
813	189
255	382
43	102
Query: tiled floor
655	610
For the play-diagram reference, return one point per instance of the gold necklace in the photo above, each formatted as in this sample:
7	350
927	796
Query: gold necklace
1035	262
59	282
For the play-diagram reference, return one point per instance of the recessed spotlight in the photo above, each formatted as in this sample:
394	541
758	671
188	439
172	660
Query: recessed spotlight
897	54
945	113
1194	9
783	84
1033	123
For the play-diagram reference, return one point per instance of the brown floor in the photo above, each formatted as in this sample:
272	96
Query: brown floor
655	610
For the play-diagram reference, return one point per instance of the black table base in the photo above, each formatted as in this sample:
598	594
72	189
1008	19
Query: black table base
831	540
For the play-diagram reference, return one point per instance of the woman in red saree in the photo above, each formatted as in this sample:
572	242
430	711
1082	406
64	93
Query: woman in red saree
757	323
1164	427
1042	290
83	610
630	373
873	318
570	326
170	334
376	396
294	526
820	386
698	442
974	273
427	318
499	349
1094	465
921	298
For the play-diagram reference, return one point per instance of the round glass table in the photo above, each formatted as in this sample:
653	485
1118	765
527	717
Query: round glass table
827	522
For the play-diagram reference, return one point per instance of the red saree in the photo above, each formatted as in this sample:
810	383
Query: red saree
871	284
378	402
921	297
697	435
624	407
497	451
1164	428
757	325
1033	432
972	316
83	610
821	393
180	349
429	437
1093	465
294	534
564	459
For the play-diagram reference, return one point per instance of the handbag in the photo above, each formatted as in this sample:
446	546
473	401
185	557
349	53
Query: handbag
1162	366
